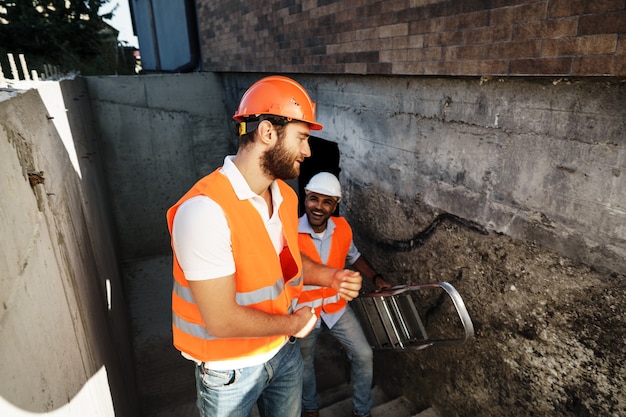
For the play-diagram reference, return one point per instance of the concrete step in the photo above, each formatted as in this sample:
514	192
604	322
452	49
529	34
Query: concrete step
337	402
335	394
398	407
429	412
343	407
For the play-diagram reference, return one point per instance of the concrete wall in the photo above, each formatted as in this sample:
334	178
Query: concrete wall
160	134
64	346
539	160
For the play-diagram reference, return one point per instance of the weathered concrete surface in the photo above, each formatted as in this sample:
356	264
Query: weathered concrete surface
160	134
539	164
539	160
536	159
165	380
64	346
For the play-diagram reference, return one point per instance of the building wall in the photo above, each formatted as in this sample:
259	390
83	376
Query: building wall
64	345
415	37
160	134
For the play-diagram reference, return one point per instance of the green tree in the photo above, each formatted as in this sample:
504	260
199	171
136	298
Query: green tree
69	34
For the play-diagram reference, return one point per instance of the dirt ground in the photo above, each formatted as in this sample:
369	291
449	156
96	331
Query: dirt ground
550	333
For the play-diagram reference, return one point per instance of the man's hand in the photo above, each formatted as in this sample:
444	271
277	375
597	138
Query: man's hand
380	283
347	283
307	316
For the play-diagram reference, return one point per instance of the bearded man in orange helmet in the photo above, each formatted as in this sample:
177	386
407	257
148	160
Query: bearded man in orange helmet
238	271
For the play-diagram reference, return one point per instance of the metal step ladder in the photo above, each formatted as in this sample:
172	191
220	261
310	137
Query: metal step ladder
409	317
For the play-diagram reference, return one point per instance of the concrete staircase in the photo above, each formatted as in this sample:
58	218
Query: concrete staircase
337	402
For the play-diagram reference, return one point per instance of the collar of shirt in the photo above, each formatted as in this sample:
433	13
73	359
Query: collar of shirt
272	222
241	187
305	227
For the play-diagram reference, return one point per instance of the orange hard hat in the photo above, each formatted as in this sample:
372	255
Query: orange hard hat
279	96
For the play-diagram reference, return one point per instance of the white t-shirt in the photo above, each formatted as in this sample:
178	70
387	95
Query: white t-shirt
201	240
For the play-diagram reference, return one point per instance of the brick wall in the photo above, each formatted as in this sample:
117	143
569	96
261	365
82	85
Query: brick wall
415	37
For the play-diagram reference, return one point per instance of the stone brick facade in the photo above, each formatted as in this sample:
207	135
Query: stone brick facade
415	37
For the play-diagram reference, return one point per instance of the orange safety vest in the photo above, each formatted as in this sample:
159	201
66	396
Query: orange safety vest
264	281
325	297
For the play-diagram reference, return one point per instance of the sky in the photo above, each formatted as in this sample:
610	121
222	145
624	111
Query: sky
121	21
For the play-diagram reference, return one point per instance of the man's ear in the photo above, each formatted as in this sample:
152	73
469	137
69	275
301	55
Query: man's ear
266	131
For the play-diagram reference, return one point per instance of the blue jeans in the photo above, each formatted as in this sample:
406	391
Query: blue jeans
349	333
275	386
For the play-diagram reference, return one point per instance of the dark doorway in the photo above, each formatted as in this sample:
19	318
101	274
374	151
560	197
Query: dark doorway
324	158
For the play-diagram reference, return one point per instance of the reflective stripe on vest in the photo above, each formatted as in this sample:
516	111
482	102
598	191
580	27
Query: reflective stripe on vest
253	297
197	330
258	276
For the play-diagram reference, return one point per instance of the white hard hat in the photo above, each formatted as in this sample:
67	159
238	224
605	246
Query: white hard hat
325	183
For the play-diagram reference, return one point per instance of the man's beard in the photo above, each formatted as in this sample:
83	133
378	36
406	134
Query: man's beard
279	163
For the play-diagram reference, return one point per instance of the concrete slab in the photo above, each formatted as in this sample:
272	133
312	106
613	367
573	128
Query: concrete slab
398	407
166	383
344	407
429	412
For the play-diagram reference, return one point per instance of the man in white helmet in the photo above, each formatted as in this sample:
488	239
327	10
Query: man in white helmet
328	240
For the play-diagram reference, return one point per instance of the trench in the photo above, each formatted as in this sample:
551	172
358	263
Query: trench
545	287
542	314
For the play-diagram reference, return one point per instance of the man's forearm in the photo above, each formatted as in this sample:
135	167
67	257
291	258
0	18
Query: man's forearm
364	267
223	317
316	273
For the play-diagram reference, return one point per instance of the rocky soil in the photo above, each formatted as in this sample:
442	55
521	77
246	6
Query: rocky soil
550	332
